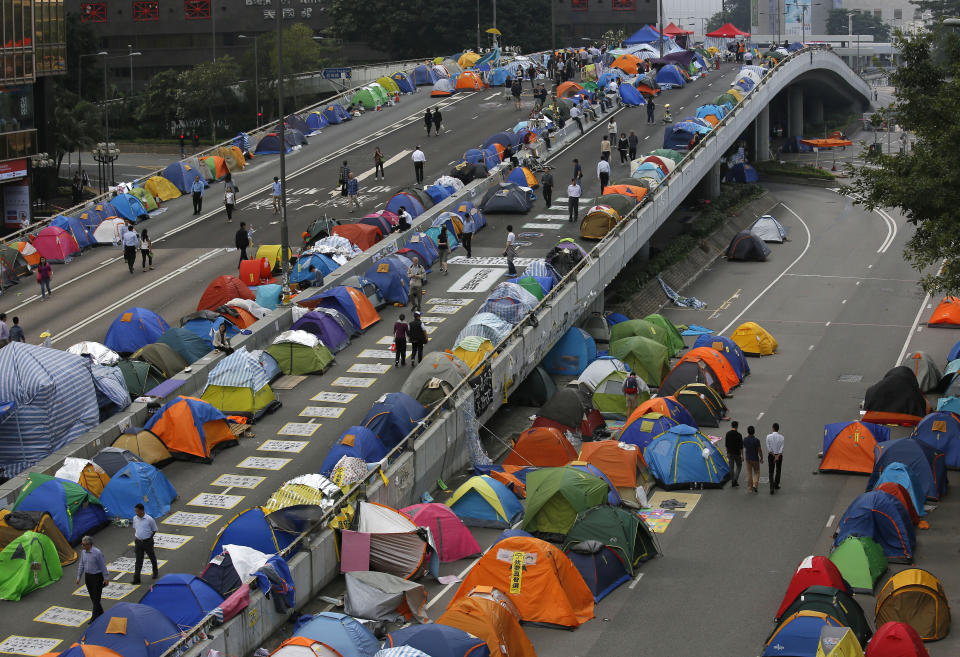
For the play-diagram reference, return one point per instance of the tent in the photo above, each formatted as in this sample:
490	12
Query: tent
76	228
623	465
29	562
535	390
299	646
138	483
132	630
799	634
597	371
630	95
218	166
130	207
647	358
435	377
472	350
915	597
182	176
358	442
389	274
709	367
893	639
301	268
269	144
109	231
941	431
620	530
768	229
252	529
147	199
835	602
571	354
167	361
880	516
564	412
325	327
812	571
223	289
727	31
541	447
674	341
598	221
895	399
229	569
556	495
443	87
489	614
849	446
945	315
440	640
469	81
608	397
484	502
161	188
742	172
641	431
349	301
316	121
238	385
704	403
182	598
382	596
670	76
86	473
74	510
404	82
56	244
14	524
507	198
904	496
511	303
540	580
900	475
140	376
345	634
668	406
682	456
99	354
925	369
448	534
860	561
523	177
393	417
133	445
746	245
301	493
133	329
191	428
754	340
299	352
729	350
187	344
596	325
395	546
923	462
486	325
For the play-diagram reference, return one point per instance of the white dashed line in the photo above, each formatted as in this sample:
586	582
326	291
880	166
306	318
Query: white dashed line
636	580
831	519
760	416
789	376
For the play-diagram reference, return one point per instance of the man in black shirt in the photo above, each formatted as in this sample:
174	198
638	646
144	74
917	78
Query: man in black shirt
734	444
753	455
242	241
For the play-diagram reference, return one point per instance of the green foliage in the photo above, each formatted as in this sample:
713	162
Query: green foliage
924	183
737	12
77	124
160	103
790	169
863	23
938	8
210	86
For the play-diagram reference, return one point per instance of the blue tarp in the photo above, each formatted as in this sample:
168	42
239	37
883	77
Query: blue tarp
74	522
676	459
923	461
358	442
509	302
394	417
437	193
301	269
55	398
941	431
182	176
250	528
389	274
343	633
138	483
135	328
572	353
184	599
112	393
129	207
148	632
324	327
881	517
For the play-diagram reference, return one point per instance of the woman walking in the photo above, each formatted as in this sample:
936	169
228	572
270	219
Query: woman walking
623	146
146	250
378	164
44	274
230	190
418	338
443	246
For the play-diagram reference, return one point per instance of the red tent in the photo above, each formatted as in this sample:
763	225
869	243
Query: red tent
812	571
222	290
55	244
673	30
728	31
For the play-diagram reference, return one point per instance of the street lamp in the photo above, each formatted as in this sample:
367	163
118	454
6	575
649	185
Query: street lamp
284	235
39	164
105	153
102	53
850	15
256	76
131	55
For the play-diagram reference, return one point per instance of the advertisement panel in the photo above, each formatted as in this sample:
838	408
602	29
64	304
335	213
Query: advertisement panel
16	204
796	19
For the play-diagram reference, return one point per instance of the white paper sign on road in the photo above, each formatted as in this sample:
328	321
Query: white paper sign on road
262	463
477	279
168	541
185	519
382	354
305	429
353	382
28	645
112	591
237	481
128	564
445	310
216	501
329	412
291	446
368	368
65	616
334	397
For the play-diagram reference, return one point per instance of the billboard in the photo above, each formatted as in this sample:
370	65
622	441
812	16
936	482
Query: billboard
796	15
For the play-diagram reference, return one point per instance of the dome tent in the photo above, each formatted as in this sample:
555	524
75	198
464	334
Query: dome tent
138	483
914	596
682	456
182	598
238	385
132	630
191	428
29	562
451	537
482	501
299	352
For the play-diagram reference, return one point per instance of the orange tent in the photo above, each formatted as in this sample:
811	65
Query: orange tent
301	646
507	477
469	81
623	466
538	578
85	650
629	64
488	614
655	405
646	91
362	236
30	254
256	272
567	89
221	290
239	317
191	427
365	311
635	191
711	119
947	313
827	143
851	449
219	168
720	366
542	447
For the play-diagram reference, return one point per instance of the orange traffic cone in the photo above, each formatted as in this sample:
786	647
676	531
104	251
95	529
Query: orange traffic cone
396	98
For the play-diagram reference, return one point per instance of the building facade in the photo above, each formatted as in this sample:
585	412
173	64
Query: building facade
577	20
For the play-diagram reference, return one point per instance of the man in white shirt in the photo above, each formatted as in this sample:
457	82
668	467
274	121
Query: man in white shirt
144	527
774	456
575	115
603	173
510	251
573	200
418	159
131	242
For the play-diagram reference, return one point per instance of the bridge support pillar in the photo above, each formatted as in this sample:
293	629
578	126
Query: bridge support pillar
761	136
794	111
816	111
710	184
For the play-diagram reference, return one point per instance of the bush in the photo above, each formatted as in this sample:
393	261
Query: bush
775	168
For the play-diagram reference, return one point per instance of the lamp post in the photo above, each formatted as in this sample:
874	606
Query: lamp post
40	163
105	153
660	25
213	28
284	236
102	53
131	55
850	15
256	77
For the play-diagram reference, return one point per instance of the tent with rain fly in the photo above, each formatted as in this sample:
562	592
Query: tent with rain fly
914	596
74	510
638	327
860	561
704	403
349	301
435	377
542	447
80	233
140	376
894	639
443	87
507	198
669	76
182	176
649	359
882	517
571	354
482	501
389	274
668	406
556	495
754	340
161	188
238	385
299	352
448	533
28	563
191	428
138	483
746	245
134	329
469	81
227	570
56	244
167	361
523	177
623	465
946	314
345	634
564	411
404	82
895	399
641	431
316	121
682	456
596	325
440	640
356	442
132	630
849	446
598	221
718	366
899	475
223	289
836	603
187	344
133	445
925	464
184	599
147	200
489	614
393	417
727	348
941	431
301	269
325	327
799	634
812	571
114	459
252	528
925	369
621	530
535	390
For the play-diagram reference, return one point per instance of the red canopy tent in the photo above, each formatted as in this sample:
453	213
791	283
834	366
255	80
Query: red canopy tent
728	31
673	30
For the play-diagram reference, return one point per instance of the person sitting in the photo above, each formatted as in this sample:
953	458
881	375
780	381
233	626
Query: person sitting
405	219
221	341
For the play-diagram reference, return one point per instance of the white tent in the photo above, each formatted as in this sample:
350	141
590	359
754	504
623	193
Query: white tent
109	230
598	370
395	545
100	354
769	229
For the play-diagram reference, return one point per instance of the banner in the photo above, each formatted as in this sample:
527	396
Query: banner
16	204
797	18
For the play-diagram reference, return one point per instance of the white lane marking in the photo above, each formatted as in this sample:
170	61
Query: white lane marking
369	172
869	266
913	327
789	376
108	261
810	348
493	95
760	416
827	324
831	519
647	137
781	275
843	302
891	230
636	580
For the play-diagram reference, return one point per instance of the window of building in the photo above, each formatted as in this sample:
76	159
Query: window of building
878	13
898	14
579	5
146	10
623	5
196	9
93	12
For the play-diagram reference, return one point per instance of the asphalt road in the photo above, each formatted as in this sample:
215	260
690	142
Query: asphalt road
192	251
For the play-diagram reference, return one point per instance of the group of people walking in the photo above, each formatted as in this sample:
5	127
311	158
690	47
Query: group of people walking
747	449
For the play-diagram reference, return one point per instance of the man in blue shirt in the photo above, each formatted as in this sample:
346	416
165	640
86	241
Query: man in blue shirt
131	242
93	569
276	192
466	237
197	189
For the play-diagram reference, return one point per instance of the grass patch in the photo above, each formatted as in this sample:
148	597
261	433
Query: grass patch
777	168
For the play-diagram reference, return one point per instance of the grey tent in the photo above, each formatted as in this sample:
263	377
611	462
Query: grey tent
596	325
507	197
167	361
622	203
564	408
769	229
926	370
380	596
435	377
747	246
114	459
703	402
535	390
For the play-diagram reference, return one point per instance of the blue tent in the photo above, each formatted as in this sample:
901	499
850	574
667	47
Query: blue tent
498	76
572	353
603	570
951	404
404	83
406	200
630	96
269	144
389	274
676	459
677	139
393	417
339	299
897	473
74	510
745	84
798	635
643	430
434	234
671	75
182	176
491	158
129	207
332	116
268	295
941	431
136	483
795	145
438	640
296	122
206	325
743	173
242	141
438	192
924	463
343	633
474	156
616	318
425	247
102	211
485	502
880	516
795	46
324	327
505	138
728	349
954	352
251	528
184	599
186	343
342	112
148	632
316	121
75	227
717	110
424	75
467	208
359	442
135	328
301	269
609	76
645	34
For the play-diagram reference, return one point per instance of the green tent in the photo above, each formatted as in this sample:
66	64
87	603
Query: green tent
725	98
638	327
28	563
646	357
608	395
556	495
162	356
622	203
676	156
675	341
590	85
530	284
295	358
145	197
618	529
365	97
12	265
861	562
140	376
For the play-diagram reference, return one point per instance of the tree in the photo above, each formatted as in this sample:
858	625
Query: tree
736	12
209	86
863	23
77	124
937	9
301	54
924	182
159	103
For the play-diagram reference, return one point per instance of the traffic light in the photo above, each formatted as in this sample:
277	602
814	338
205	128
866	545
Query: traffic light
196	139
182	140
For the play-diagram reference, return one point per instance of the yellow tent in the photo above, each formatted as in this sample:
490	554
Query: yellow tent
736	93
389	85
86	473
144	444
438	60
273	253
838	642
472	350
468	59
233	157
754	340
161	188
598	221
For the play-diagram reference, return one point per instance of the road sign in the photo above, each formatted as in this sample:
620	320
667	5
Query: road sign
337	73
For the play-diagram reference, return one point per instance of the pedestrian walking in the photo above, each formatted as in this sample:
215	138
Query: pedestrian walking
631	392
400	330
437	120
416	273
574	191
651	108
353	188
344	178
418	338
466	235
378	164
418	158
144	527
230	190
131	242
197	189
605	147
546	186
92	568
603	172
733	441
146	250
774	457
510	251
623	145
577	171
632	142
276	192
443	248
16	332
516	90
612	131
427	120
44	274
242	241
753	455
4	330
